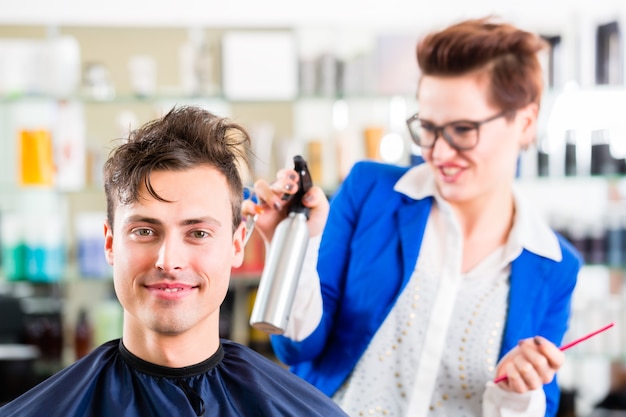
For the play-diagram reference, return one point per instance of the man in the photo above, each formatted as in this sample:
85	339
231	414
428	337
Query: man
172	234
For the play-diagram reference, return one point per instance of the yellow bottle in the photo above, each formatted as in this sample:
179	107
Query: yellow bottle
37	166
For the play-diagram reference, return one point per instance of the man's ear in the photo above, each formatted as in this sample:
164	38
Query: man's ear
238	245
108	242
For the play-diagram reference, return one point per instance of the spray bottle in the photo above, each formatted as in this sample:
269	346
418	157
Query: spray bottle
283	263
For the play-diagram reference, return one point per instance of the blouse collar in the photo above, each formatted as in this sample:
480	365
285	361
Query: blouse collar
530	230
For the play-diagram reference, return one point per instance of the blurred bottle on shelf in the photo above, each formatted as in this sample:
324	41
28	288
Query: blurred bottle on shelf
13	247
602	160
596	243
615	236
543	163
196	64
143	75
373	135
43	326
570	154
90	243
316	160
83	335
97	83
45	249
36	161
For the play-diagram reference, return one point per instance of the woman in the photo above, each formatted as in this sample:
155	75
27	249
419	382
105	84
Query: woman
431	281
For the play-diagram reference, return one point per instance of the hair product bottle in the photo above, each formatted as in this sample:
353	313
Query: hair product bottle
283	264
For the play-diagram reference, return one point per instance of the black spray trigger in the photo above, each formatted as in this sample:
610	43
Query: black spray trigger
304	185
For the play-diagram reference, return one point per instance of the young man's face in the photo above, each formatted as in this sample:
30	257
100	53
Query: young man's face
172	260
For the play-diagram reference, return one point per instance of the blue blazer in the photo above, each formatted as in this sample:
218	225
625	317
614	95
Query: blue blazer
368	252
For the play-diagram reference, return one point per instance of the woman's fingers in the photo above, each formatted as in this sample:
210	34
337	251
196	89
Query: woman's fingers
529	367
533	363
275	194
273	200
316	200
552	353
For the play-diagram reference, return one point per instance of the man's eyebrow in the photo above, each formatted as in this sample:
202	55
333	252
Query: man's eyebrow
142	219
137	218
206	219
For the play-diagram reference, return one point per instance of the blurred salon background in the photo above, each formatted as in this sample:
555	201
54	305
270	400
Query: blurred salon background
333	81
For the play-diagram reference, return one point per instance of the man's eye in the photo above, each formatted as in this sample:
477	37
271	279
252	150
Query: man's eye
199	234
143	232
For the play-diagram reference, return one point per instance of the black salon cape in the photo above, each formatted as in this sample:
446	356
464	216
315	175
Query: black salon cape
112	382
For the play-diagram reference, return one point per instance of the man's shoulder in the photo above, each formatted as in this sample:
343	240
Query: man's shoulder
237	353
58	394
270	383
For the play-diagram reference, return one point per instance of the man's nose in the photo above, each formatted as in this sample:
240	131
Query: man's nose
171	255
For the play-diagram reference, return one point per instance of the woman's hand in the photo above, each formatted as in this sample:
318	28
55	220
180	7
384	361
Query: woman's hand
530	365
273	202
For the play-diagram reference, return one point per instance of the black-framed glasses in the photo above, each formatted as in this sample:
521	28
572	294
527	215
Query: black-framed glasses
461	135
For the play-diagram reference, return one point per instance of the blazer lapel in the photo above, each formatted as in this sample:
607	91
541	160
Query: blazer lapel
411	223
527	278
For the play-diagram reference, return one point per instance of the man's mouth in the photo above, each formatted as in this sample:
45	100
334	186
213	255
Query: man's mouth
171	289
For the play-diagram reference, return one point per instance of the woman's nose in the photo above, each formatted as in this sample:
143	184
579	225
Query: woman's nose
441	148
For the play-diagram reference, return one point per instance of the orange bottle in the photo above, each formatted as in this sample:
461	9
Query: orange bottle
37	166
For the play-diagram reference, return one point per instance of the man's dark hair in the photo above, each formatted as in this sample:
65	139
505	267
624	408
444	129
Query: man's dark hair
186	137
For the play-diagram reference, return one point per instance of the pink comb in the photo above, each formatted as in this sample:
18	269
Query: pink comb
569	345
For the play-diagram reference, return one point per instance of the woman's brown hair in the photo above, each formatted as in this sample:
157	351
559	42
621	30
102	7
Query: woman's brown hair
507	54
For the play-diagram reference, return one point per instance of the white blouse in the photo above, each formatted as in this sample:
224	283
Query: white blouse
440	341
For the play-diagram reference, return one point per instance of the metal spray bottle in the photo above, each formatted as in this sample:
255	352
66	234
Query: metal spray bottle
283	263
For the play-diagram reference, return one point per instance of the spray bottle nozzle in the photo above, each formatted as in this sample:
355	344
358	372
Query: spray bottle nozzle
304	185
